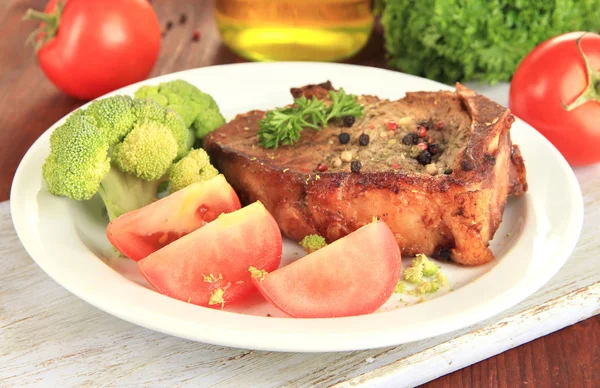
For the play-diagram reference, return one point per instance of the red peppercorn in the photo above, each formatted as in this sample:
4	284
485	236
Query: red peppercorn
421	131
422	146
196	36
391	125
439	125
395	166
322	168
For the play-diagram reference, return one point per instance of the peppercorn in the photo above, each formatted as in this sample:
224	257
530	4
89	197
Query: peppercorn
421	131
428	124
348	121
355	166
182	18
322	167
410	139
392	126
448	171
363	140
346	156
169	25
434	148
344	137
439	125
424	158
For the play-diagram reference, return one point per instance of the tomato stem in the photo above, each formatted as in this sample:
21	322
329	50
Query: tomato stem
592	91
49	28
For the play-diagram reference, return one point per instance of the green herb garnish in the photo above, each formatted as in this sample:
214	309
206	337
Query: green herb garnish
284	125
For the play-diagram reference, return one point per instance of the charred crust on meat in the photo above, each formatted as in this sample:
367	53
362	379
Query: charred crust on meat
467	165
443	254
489	158
319	91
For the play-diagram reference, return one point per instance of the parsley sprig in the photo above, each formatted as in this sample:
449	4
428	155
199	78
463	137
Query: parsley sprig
284	125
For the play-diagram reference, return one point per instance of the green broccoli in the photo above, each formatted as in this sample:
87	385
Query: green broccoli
195	167
120	148
78	160
429	268
198	110
312	243
207	121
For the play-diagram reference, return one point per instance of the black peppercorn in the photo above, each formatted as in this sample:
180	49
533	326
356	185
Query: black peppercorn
182	18
348	121
355	166
448	171
363	139
428	124
434	148
410	139
344	137
169	25
424	158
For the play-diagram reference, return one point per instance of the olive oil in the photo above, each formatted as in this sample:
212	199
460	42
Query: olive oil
295	30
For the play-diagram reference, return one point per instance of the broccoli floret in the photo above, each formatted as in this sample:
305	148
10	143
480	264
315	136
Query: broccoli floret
207	121
149	111
147	152
413	275
312	243
400	287
428	288
441	279
114	117
78	159
429	268
195	167
198	110
120	148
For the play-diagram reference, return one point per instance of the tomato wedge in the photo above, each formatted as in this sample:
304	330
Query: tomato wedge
139	233
354	275
209	267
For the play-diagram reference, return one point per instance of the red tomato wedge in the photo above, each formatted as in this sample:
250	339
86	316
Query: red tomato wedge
139	233
354	275
209	267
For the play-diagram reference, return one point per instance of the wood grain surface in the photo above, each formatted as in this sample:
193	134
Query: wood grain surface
29	104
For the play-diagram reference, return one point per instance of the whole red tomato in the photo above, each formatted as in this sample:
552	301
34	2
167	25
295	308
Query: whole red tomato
98	46
556	92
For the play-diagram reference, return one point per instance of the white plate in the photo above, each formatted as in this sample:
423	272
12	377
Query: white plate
539	231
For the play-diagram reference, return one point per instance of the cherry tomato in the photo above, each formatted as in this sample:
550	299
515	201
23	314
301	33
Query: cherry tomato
354	275
209	267
99	46
139	233
559	95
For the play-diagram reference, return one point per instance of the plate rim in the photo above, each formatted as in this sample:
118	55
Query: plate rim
315	344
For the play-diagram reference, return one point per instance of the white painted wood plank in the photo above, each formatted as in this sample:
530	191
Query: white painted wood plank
49	337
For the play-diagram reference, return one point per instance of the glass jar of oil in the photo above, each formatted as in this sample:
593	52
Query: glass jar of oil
295	30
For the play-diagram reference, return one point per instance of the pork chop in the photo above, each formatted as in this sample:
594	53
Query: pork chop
447	204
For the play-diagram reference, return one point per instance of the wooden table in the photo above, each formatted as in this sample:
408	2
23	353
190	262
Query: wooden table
29	104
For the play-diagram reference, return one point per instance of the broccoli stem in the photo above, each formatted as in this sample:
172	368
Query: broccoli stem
122	192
